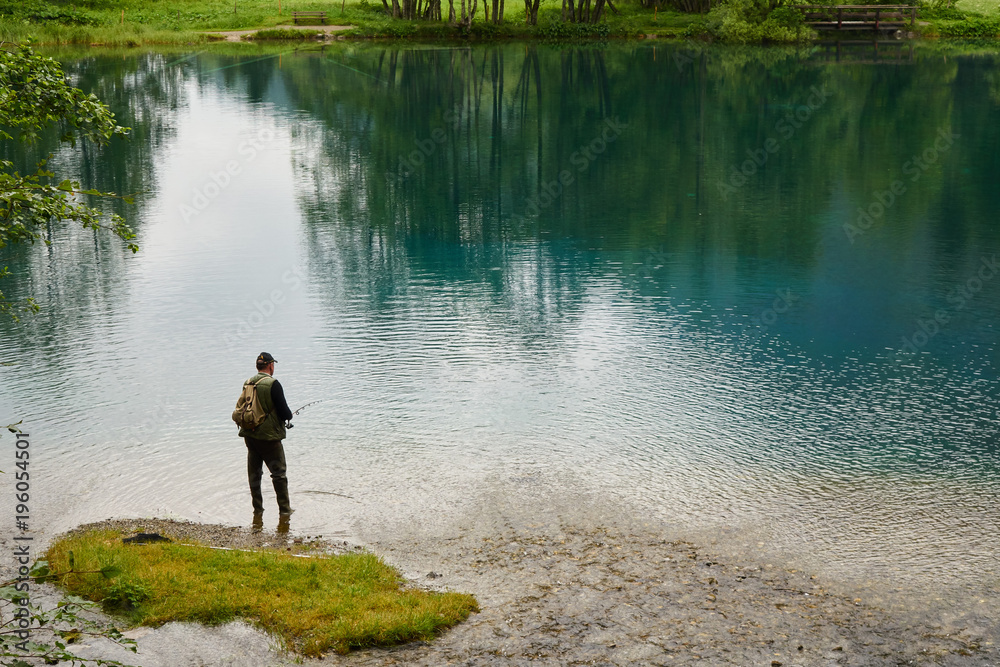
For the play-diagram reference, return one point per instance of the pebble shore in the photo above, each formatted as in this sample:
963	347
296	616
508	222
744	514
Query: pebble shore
565	595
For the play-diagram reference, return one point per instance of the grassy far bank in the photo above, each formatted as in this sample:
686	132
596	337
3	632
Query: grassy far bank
134	22
314	605
137	22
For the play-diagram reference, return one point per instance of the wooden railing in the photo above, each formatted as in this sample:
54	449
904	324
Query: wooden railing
859	17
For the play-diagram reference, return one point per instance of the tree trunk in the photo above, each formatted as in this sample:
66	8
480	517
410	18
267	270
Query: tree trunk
532	10
598	9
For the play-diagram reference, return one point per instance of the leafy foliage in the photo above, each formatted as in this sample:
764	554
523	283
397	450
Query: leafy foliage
971	27
754	21
21	622
560	30
34	96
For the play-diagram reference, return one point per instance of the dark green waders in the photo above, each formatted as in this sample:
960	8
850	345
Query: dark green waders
271	454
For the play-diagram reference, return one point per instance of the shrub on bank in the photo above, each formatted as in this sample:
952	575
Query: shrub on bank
753	22
972	27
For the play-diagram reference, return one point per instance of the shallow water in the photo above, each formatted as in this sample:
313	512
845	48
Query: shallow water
635	272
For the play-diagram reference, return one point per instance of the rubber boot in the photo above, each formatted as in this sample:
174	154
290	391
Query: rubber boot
256	497
281	491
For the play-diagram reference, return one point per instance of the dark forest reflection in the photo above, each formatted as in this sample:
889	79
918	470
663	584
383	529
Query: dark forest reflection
717	176
708	176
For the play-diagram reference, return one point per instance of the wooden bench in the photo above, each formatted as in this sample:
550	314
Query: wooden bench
310	16
859	17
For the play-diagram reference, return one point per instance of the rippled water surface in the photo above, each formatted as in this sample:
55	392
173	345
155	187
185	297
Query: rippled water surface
747	293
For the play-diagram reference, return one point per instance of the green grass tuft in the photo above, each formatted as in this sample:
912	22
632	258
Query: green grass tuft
13	30
315	605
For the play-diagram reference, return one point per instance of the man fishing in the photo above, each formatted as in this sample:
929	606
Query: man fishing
264	441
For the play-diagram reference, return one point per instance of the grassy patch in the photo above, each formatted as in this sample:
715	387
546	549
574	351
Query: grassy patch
14	30
315	605
987	7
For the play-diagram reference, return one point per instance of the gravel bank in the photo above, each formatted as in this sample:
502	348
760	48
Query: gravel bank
560	594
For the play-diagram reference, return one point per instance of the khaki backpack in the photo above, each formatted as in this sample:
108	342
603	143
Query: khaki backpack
249	414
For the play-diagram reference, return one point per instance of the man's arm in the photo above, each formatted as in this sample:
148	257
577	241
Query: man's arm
280	405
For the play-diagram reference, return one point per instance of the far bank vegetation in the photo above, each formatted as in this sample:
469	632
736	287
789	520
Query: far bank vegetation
137	22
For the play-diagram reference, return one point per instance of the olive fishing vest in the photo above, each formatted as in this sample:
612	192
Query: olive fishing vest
272	428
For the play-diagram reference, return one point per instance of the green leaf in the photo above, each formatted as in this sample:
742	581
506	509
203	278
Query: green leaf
11	593
35	96
70	635
40	570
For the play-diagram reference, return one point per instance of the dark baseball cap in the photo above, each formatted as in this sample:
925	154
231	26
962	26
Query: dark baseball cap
265	358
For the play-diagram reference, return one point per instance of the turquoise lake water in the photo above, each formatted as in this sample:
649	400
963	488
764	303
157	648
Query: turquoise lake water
749	293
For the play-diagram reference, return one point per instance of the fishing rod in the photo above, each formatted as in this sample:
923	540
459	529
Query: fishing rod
289	423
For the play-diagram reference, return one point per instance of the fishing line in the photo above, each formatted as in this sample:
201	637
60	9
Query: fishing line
247	62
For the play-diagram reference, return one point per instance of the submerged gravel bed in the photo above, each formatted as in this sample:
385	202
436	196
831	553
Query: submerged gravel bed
601	596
